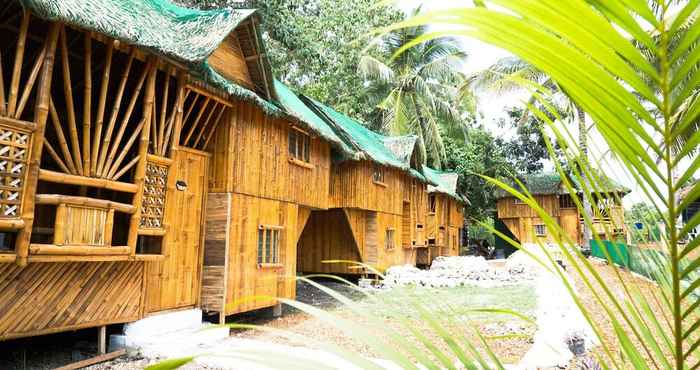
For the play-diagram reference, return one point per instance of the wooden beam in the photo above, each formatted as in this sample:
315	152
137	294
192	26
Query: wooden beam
76	250
254	35
17	69
195	123
56	199
87	103
206	123
140	172
12	224
34	158
8	258
115	112
99	119
70	106
56	157
102	340
164	111
61	137
63	178
29	85
94	360
3	104
125	149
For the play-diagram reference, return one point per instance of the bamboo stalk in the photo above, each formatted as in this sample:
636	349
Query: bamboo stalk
127	116
61	138
87	103
213	129
70	107
177	112
126	149
154	133
115	112
19	59
29	85
55	156
196	121
63	178
192	105
207	121
140	171
99	120
58	199
126	168
164	109
3	104
34	157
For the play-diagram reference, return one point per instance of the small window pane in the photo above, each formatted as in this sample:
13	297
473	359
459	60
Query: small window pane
260	245
307	145
275	246
292	143
268	249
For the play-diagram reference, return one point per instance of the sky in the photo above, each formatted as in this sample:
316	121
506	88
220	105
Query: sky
492	108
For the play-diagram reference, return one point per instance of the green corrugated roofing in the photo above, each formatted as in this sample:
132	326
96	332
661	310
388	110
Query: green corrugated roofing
445	182
366	140
551	183
291	102
187	35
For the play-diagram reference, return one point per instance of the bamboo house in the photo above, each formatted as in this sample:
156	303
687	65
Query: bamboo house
521	222
152	163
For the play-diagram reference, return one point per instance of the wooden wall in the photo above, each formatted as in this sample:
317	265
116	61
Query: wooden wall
174	282
351	235
230	62
251	157
352	186
46	298
231	243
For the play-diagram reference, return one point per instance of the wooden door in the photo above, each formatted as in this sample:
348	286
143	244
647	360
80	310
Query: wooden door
174	282
371	238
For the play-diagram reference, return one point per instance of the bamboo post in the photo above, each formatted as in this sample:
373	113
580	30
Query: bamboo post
101	108
141	166
41	112
19	59
70	105
87	104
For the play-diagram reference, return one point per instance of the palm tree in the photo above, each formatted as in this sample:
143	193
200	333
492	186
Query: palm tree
416	90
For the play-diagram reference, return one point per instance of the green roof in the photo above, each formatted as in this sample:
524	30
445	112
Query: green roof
551	183
370	143
291	102
184	34
445	183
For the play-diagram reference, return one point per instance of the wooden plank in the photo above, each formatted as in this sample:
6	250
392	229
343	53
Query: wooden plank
76	250
63	178
94	360
55	199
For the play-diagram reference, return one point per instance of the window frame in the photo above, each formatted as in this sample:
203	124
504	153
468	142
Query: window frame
518	201
268	246
432	203
378	175
299	145
390	239
544	230
566	201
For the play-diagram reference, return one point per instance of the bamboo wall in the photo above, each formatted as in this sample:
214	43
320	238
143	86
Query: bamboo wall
520	219
351	235
352	186
231	244
45	298
251	157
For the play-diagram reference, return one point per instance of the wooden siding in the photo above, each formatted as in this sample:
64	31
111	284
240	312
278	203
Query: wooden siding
45	298
251	157
245	279
352	186
230	62
507	208
351	235
174	282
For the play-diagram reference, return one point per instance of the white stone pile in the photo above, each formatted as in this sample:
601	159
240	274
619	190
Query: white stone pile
449	272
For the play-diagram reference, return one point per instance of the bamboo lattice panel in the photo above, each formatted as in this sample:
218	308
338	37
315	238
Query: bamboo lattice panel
155	188
50	297
14	145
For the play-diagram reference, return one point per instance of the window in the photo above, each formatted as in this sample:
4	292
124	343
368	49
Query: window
389	242
269	245
541	230
518	201
378	175
432	203
299	144
566	201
